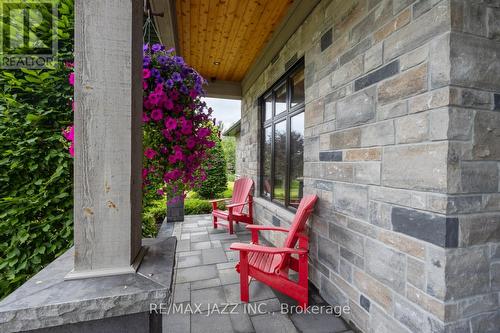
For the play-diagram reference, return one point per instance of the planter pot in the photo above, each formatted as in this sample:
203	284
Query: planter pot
175	211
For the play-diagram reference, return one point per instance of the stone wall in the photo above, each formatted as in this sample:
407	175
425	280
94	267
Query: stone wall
402	145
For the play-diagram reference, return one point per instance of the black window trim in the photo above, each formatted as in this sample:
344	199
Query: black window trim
284	116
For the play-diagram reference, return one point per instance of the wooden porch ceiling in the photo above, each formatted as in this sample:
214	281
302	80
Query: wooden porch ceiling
222	38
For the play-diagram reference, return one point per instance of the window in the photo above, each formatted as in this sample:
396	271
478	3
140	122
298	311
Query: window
282	154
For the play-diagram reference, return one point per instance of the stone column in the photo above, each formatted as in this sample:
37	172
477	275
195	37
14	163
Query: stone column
108	152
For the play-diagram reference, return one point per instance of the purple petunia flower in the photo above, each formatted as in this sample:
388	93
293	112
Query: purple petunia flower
169	83
183	89
176	77
155	73
162	60
179	60
156	47
145	47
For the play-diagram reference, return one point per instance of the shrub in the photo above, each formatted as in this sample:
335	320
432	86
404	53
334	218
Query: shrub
36	187
216	181
194	206
153	213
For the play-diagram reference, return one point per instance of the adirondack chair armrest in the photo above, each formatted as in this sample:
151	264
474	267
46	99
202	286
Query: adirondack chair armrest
255	228
214	202
217	200
255	231
265	227
266	249
236	204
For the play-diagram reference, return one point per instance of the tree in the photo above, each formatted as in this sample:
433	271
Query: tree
229	146
216	181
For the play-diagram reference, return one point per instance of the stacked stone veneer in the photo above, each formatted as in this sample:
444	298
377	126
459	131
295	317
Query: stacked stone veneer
402	146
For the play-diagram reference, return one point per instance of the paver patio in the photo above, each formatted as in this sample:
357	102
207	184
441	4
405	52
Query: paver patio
205	275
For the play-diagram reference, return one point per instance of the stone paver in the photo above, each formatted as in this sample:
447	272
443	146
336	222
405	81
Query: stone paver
205	280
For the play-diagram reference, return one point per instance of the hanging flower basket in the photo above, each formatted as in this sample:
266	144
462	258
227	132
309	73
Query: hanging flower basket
176	126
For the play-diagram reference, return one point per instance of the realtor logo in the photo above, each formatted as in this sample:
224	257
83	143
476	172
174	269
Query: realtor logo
28	33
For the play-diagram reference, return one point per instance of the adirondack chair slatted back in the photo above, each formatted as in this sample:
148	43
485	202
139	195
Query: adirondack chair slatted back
241	190
305	209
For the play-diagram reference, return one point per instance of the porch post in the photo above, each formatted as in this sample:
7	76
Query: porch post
108	149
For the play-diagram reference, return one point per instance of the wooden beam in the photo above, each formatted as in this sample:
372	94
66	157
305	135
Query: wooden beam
166	25
224	89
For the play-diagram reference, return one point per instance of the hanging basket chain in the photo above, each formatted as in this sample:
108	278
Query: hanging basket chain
147	29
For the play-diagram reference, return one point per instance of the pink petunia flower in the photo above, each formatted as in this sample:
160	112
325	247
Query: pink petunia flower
147	104
146	73
72	79
166	134
154	98
157	115
187	126
174	95
150	153
69	133
190	143
170	123
72	150
193	93
203	132
169	105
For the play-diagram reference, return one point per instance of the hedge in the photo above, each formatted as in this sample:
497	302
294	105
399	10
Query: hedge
35	167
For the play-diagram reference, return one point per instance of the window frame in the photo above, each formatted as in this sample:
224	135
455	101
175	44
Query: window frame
286	116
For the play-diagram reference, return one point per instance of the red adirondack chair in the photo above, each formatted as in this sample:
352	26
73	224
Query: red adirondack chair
270	265
234	212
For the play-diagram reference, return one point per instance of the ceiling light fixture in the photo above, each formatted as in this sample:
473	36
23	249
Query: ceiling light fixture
216	63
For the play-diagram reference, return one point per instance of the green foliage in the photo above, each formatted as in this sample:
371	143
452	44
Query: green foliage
228	193
229	146
35	167
215	166
195	206
153	213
